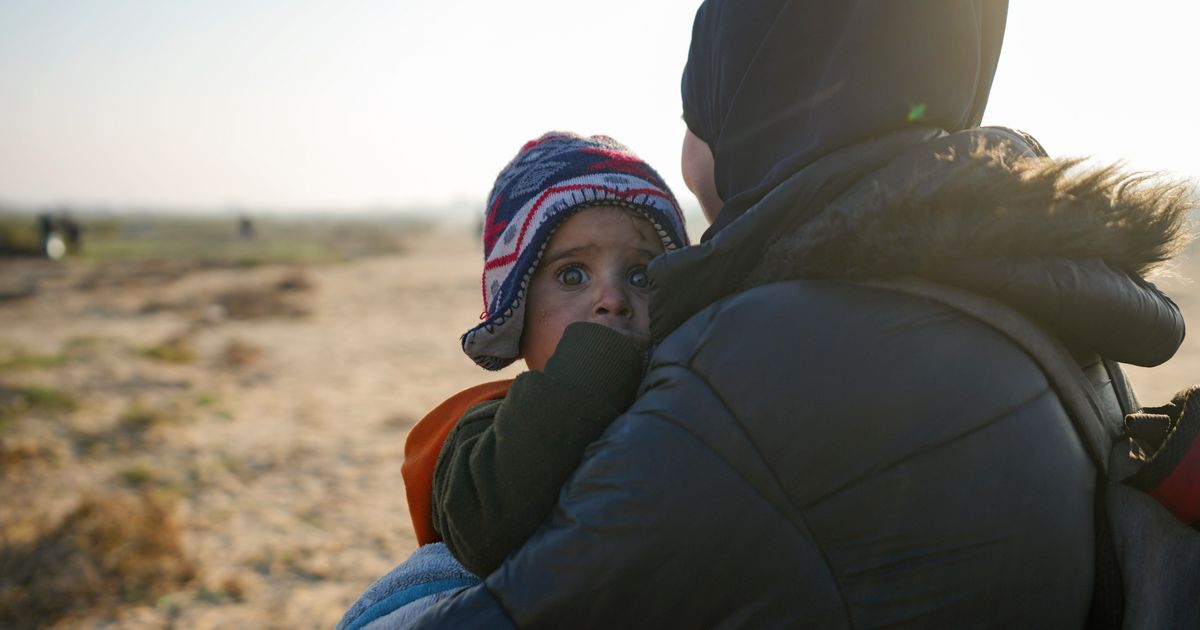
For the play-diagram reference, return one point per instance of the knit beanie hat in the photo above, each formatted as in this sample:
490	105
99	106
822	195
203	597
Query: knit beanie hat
550	179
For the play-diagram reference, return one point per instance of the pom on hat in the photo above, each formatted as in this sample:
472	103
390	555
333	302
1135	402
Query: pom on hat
550	179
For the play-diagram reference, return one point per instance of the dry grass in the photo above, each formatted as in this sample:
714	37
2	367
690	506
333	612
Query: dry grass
239	353
18	402
296	280
139	426
277	299
140	417
22	454
139	475
258	303
110	550
18	359
120	274
174	349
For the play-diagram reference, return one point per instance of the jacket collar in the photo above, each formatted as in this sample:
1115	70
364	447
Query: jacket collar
1065	244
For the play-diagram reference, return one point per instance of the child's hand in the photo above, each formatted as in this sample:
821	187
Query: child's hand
605	332
598	341
607	361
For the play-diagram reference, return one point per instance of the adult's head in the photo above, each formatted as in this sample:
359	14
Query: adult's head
773	85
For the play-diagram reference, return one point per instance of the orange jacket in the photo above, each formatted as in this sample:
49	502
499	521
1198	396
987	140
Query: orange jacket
425	442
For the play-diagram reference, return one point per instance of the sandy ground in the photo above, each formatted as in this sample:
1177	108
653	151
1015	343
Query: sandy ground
293	495
286	468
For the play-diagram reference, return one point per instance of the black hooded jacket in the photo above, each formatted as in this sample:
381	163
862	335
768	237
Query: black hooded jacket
808	450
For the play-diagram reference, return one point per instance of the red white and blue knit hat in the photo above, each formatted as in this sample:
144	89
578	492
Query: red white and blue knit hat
550	179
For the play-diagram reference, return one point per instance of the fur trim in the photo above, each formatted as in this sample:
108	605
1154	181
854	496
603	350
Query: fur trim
982	205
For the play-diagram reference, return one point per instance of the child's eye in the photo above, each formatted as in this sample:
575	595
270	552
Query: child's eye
638	278
572	276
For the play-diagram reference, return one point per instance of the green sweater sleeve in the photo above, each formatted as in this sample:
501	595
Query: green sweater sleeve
502	467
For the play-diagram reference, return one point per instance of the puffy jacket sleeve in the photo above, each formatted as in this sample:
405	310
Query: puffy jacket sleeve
502	467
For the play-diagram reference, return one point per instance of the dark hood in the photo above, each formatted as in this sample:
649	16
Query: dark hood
774	85
983	210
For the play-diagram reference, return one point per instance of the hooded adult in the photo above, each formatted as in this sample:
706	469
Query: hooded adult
811	448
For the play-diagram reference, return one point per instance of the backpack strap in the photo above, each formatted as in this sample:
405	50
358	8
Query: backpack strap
1075	392
1125	396
1079	398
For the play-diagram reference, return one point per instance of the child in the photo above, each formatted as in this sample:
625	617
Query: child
571	224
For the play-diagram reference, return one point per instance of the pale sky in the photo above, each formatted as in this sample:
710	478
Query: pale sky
317	105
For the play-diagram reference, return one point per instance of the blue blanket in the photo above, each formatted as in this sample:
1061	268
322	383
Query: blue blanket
395	600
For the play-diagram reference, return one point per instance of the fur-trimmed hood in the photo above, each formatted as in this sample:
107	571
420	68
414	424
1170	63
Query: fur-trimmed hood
1067	244
926	215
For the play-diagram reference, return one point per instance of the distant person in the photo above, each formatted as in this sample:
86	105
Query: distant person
72	233
50	240
246	228
45	224
571	225
45	227
812	447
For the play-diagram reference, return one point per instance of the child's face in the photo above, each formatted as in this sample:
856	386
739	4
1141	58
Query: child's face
594	270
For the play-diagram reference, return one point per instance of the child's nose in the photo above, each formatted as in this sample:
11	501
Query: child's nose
612	300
